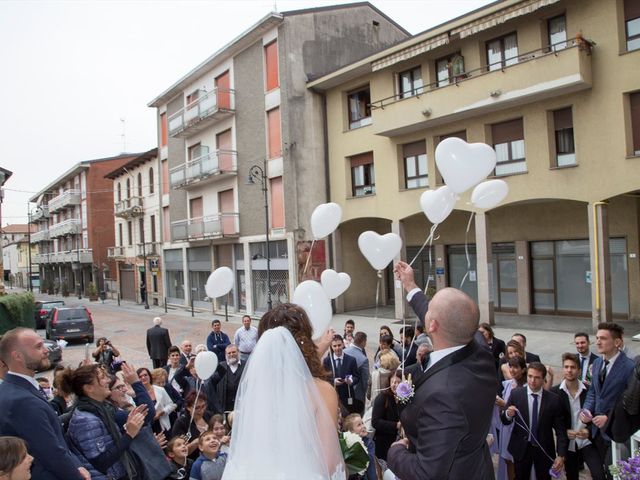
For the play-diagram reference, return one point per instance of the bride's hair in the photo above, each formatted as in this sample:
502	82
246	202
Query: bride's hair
294	318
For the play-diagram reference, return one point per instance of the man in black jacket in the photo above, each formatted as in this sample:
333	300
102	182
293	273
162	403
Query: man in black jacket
344	373
158	343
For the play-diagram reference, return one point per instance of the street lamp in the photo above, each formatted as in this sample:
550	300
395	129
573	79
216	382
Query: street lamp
259	173
30	283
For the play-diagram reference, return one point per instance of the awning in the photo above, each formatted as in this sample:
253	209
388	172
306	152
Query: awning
502	16
410	52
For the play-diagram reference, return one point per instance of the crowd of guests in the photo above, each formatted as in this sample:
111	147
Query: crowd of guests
106	419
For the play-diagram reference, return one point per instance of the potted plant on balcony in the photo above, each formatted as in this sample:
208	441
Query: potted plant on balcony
92	292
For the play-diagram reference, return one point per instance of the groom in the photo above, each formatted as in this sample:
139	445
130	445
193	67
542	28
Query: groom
448	418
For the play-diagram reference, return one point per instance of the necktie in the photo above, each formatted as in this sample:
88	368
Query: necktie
338	366
534	416
583	370
603	372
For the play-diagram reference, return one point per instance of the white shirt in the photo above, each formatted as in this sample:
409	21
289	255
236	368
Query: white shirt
576	424
233	368
611	362
28	378
438	355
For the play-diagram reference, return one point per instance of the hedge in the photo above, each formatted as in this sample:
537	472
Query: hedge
16	310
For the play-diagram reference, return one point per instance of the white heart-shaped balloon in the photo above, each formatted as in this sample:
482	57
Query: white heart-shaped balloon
325	219
438	204
489	194
219	283
379	250
311	296
334	284
206	363
463	165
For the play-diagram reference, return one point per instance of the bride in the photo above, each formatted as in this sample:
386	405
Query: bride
285	421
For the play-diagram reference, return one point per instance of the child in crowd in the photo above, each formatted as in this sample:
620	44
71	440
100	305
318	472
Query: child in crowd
15	461
219	429
181	464
211	462
354	424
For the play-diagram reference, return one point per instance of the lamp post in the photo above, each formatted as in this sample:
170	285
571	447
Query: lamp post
257	172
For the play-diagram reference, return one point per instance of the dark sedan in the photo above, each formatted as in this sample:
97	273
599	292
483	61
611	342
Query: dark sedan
42	311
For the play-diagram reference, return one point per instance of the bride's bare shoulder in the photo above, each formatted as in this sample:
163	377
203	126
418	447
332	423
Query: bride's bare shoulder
329	397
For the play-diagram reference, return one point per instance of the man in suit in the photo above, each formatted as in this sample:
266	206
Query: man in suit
572	393
410	347
610	375
357	351
537	414
448	418
26	412
158	343
185	352
528	356
587	358
217	341
222	387
344	373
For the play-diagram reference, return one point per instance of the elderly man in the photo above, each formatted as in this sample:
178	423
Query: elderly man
185	352
246	338
26	412
158	343
223	385
446	422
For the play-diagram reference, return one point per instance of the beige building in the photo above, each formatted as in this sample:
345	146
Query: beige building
553	86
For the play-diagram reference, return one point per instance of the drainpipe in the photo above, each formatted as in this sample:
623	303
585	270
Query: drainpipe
596	277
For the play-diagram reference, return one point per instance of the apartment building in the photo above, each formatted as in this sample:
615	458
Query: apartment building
246	111
137	250
553	86
72	235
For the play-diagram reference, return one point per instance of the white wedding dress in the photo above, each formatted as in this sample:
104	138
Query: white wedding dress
282	429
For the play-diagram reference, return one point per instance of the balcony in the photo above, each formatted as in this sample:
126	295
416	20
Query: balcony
148	249
207	109
67	227
215	226
129	207
212	166
40	213
116	253
537	75
64	200
40	236
85	255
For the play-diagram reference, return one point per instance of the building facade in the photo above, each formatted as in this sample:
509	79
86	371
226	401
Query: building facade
552	85
246	110
72	236
137	250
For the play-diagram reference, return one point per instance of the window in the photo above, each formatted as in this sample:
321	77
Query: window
129	233
165	176
359	108
196	208
152	186
119	192
141	228
120	242
502	52
634	101
277	202
152	220
139	184
197	151
128	192
223	90
565	147
410	83
271	65
632	24
415	165
362	175
166	224
508	142
193	97
557	28
450	68
273	128
163	130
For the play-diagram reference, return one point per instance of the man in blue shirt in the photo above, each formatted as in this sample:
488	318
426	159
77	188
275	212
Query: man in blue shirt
217	340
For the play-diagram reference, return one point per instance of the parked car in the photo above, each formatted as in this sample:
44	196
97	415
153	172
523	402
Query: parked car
55	352
70	323
42	311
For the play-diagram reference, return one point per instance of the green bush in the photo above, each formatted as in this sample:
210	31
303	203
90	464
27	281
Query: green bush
17	311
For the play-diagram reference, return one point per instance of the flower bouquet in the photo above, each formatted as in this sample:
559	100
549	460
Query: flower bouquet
627	469
355	454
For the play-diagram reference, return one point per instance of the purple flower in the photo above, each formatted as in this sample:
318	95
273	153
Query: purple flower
404	390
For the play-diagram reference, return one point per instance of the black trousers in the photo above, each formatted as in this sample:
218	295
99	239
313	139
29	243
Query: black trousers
591	457
159	362
533	457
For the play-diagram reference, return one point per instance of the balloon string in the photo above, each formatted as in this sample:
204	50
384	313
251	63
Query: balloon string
526	428
429	241
199	387
306	265
466	249
378	292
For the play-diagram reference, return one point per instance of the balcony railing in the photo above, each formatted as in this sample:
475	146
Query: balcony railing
40	213
216	164
68	197
148	249
129	207
67	227
211	106
116	252
84	255
215	226
40	236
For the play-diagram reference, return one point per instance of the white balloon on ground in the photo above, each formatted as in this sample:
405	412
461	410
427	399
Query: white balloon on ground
489	194
325	219
311	296
219	283
438	204
463	165
378	249
334	283
206	363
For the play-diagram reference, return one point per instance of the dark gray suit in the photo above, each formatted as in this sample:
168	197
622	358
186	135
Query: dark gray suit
158	343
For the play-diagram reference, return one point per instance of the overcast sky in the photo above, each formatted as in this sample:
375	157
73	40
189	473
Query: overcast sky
71	70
